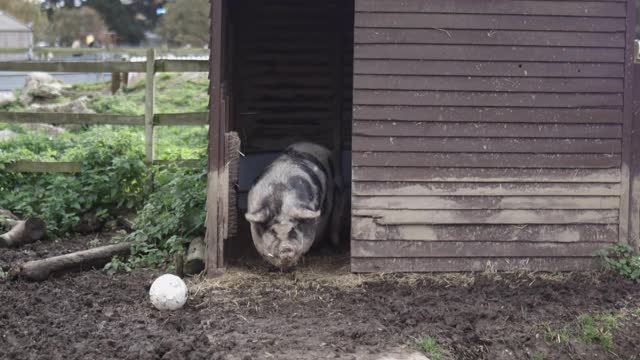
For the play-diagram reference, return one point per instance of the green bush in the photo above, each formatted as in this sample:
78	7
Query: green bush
173	213
621	259
114	177
111	180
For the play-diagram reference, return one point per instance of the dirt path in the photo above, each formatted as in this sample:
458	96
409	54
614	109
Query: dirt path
320	311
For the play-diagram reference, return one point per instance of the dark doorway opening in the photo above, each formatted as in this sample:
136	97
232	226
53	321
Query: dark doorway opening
290	77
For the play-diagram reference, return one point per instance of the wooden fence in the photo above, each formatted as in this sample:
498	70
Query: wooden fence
149	120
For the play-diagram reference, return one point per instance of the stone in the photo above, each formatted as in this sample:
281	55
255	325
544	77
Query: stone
77	106
6	135
6	98
47	129
39	85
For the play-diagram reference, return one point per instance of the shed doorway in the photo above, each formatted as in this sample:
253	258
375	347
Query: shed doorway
289	70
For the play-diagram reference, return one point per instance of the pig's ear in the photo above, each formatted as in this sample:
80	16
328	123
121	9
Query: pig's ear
304	213
258	216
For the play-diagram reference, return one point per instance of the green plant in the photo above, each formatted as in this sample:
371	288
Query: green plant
589	328
598	328
113	176
537	356
559	335
116	265
622	260
430	347
173	213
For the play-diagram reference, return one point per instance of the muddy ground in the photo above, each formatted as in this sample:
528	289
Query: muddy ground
319	311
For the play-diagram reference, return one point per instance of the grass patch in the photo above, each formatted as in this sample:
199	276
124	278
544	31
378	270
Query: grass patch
557	335
430	347
96	87
537	356
589	329
598	329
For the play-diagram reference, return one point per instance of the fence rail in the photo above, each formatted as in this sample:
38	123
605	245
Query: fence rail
149	120
37	51
160	66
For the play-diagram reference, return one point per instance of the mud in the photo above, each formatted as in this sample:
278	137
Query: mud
318	311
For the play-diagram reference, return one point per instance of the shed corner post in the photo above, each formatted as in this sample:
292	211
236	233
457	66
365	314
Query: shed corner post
214	222
631	133
634	166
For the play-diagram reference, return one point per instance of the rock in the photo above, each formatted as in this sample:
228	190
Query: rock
77	106
48	129
6	135
40	85
6	98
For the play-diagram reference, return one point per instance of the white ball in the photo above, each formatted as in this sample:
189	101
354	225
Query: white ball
168	292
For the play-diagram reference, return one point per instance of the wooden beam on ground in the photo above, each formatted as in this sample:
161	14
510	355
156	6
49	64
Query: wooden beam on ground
40	270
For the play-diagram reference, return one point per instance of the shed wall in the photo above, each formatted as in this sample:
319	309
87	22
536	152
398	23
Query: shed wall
487	134
16	39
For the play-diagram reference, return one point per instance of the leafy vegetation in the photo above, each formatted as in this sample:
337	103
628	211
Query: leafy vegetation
172	213
114	179
430	347
621	259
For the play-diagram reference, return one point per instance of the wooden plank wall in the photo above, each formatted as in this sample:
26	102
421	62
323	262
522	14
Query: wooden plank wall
487	134
288	70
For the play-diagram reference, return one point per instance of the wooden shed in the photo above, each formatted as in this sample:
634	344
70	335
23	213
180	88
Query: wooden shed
493	134
13	33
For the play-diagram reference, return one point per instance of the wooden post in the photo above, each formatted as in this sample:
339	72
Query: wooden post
149	106
115	82
214	221
629	229
634	167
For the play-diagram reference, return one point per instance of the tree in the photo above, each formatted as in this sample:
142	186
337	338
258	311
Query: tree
29	13
121	19
186	22
73	24
129	19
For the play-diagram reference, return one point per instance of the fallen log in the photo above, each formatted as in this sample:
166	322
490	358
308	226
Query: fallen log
22	231
39	270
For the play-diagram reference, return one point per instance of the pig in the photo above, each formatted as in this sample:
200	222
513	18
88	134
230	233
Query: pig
295	203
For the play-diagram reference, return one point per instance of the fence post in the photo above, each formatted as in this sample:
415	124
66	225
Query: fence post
149	111
149	106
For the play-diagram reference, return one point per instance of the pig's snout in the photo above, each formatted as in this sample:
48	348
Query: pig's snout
287	252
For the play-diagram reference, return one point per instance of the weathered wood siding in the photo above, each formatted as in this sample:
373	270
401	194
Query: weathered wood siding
488	134
293	72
